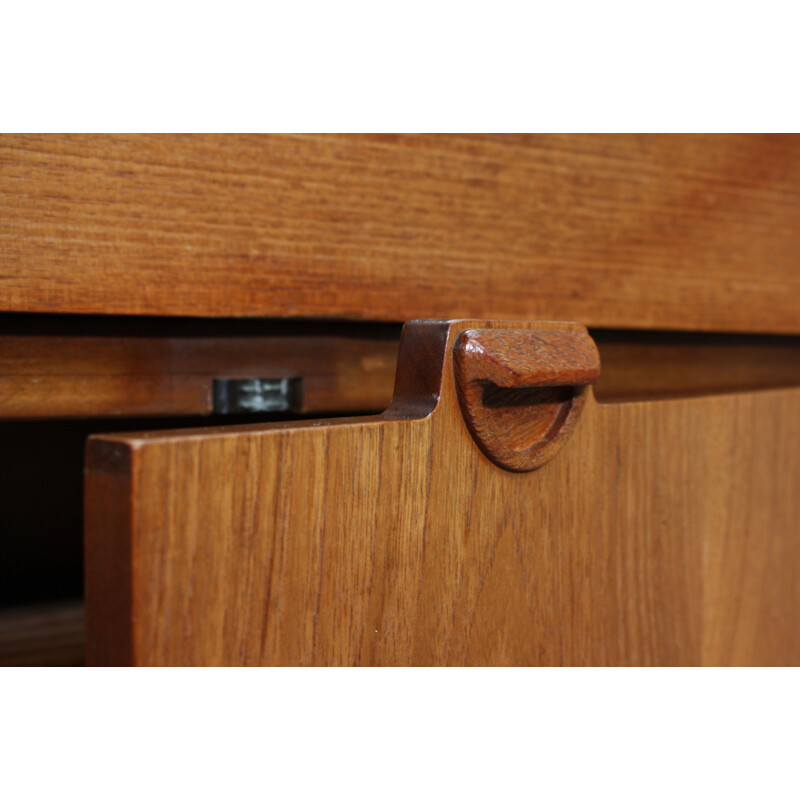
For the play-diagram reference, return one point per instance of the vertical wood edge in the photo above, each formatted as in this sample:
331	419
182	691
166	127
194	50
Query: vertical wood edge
108	552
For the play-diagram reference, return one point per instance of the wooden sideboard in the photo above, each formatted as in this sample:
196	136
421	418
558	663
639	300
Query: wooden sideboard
493	501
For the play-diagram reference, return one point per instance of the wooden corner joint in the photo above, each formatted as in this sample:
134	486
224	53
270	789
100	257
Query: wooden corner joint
521	392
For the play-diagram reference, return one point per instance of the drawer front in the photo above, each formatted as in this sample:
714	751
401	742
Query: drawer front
661	533
689	232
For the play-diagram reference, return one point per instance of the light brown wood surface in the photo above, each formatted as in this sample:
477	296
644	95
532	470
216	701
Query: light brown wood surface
521	391
73	376
664	532
636	231
638	365
53	367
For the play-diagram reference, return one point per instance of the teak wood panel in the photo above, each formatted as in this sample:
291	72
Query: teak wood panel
675	232
663	533
68	376
637	365
97	372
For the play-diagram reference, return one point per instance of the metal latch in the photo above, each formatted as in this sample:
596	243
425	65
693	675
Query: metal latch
252	395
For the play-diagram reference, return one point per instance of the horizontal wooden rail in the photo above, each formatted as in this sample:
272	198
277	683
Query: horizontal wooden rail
681	232
95	367
649	365
100	369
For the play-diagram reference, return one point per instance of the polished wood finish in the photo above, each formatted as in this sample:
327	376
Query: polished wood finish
521	392
62	374
688	232
81	376
664	532
639	365
56	367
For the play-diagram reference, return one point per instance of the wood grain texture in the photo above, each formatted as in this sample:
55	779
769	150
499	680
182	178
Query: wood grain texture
674	232
70	376
665	532
512	359
95	373
521	392
639	364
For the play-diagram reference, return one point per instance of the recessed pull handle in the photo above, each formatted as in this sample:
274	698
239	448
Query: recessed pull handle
521	392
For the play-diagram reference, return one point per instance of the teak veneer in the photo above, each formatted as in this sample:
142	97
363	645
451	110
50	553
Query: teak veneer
59	366
94	376
691	232
663	532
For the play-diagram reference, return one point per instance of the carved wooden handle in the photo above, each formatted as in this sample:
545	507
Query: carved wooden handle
521	392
